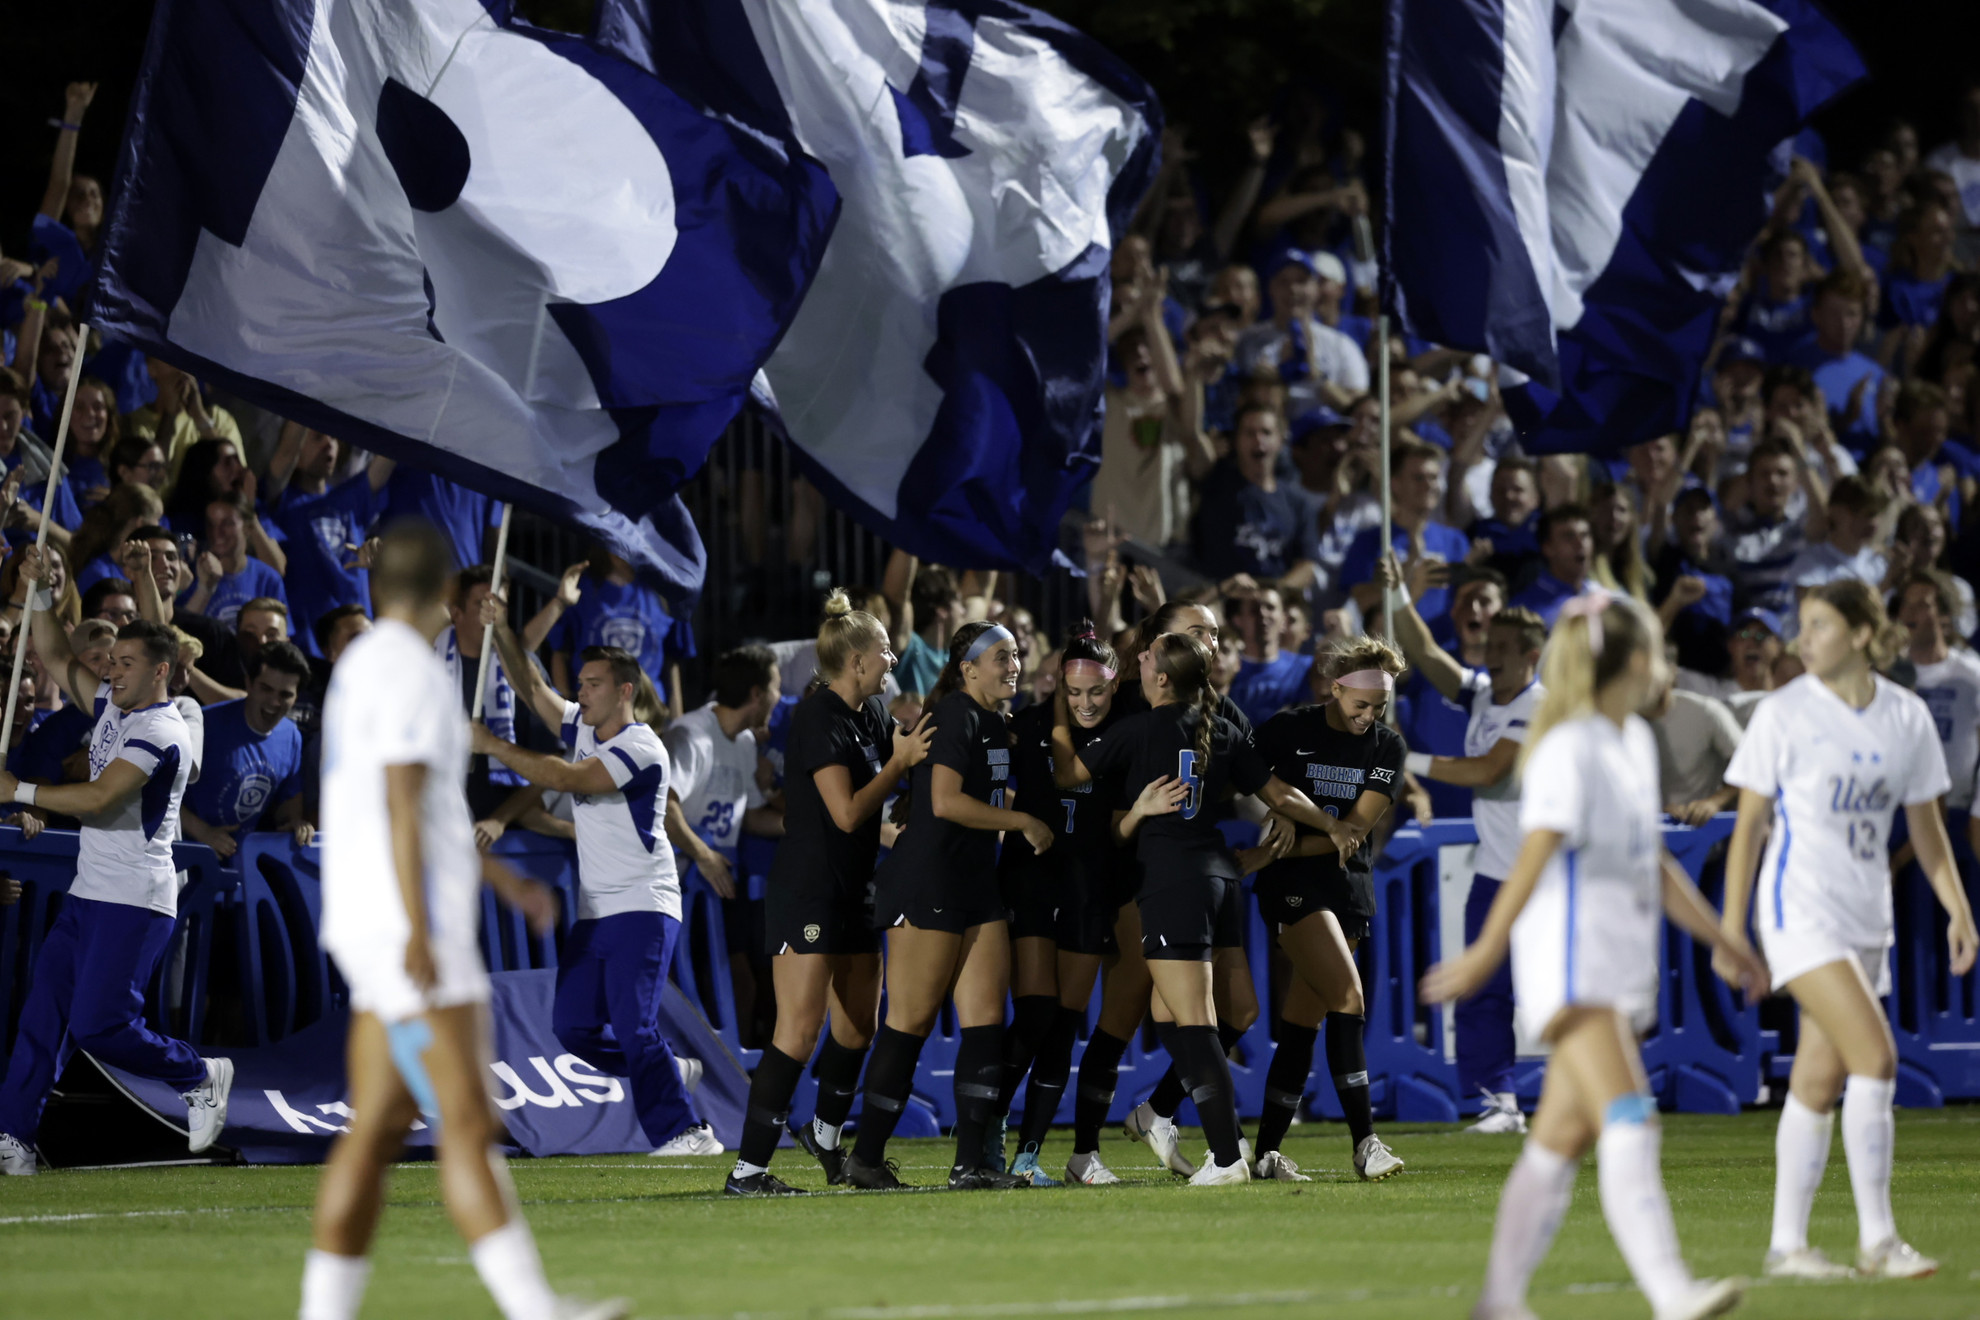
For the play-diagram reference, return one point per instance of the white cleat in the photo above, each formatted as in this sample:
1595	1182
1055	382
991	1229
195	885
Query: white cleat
1804	1263
613	1308
16	1158
1275	1167
1213	1174
1484	1312
206	1105
1144	1124
1894	1258
1087	1171
1708	1297
1502	1117
1375	1161
690	1071
695	1141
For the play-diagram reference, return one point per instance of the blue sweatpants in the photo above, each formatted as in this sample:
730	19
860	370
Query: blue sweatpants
1485	1050
611	975
88	994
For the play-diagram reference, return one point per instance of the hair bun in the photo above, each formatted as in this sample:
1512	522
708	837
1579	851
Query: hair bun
837	603
1083	631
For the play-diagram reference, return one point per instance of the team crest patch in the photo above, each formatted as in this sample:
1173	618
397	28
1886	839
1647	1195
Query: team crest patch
812	932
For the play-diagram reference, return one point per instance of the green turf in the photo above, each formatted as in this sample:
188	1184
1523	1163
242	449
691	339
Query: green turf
228	1242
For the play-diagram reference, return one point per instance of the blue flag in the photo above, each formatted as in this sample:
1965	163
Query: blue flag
1569	183
944	377
501	253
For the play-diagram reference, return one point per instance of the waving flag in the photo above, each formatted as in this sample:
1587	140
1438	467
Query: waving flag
943	377
503	253
1568	181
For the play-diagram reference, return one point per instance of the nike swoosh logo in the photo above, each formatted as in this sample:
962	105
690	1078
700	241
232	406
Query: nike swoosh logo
1303	753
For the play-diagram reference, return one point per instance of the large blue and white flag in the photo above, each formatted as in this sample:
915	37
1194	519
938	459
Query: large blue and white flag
505	254
944	376
1569	179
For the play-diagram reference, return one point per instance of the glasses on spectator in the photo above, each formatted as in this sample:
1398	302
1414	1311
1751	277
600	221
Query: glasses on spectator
1753	633
118	616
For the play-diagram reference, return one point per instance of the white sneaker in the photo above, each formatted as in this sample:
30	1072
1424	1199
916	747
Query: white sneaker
1804	1263
690	1070
1087	1171
16	1158
206	1105
1144	1124
695	1141
1213	1174
614	1308
1708	1297
1275	1166
1502	1117
1484	1312
1375	1161
1894	1258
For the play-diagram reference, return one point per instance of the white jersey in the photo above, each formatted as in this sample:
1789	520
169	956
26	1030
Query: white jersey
1837	775
125	856
1495	807
390	703
714	777
1951	691
624	861
195	717
1588	934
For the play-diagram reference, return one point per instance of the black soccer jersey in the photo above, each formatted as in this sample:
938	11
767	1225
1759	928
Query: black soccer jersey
825	731
1159	743
1082	819
1129	701
1334	768
976	744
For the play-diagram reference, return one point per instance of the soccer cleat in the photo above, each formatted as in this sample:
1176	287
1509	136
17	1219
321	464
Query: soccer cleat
206	1105
1375	1161
1144	1124
690	1071
1804	1263
760	1184
985	1179
1275	1167
16	1158
1894	1258
697	1140
1708	1297
1502	1117
1484	1312
884	1177
1026	1167
833	1161
1213	1174
614	1308
1086	1170
993	1142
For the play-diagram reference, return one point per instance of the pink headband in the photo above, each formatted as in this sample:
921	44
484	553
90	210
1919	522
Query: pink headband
1088	668
1590	607
1375	679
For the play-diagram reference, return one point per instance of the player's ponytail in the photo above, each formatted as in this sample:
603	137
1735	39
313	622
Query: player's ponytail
1186	662
1860	607
1593	642
843	633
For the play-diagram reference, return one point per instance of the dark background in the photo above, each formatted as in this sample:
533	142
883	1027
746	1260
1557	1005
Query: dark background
1215	63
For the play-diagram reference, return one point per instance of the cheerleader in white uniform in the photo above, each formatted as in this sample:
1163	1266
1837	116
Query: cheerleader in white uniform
1581	914
1822	769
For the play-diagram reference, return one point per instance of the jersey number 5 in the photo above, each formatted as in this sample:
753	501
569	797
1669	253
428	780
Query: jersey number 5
1189	770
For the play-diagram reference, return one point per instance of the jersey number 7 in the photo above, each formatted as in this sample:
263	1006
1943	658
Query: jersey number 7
1189	771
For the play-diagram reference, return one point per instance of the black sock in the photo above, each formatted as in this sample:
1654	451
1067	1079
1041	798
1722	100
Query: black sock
1347	1060
1208	1075
838	1082
1167	1097
977	1071
770	1092
1099	1070
1228	1036
889	1076
1031	1018
1285	1083
1050	1072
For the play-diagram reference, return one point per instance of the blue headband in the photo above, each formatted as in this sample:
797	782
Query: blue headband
986	639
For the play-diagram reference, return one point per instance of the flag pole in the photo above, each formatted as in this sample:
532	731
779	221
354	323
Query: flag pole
1382	398
488	629
24	634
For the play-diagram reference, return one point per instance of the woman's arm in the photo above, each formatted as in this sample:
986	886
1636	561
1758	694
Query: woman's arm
1928	834
949	802
1365	815
1749	836
1068	771
849	810
1160	797
1733	957
1459	977
61	170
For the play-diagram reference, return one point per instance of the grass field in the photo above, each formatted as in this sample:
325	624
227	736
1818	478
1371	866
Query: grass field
218	1243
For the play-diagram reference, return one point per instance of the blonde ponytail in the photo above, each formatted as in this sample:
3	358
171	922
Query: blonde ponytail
1576	665
843	633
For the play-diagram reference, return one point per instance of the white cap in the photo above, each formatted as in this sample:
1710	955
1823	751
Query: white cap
1328	267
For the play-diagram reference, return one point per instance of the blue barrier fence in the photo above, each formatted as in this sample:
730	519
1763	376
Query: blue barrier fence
246	970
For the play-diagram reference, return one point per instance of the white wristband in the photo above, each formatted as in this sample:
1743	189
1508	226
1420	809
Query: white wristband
1399	599
41	600
24	794
1417	763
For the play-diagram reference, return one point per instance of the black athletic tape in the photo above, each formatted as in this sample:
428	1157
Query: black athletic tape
1201	1094
976	1091
886	1103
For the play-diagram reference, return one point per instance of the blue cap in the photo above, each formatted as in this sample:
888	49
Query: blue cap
1320	418
1741	349
1292	256
1765	618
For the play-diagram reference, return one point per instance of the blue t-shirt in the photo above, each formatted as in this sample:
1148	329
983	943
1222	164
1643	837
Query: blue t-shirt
243	774
55	736
1909	300
1780	328
1261	690
1439	541
320	531
49	237
95	571
1431	722
919	666
1925	484
1243	528
67	516
628	616
1836	377
84	474
1546	595
234	590
461	515
1513	548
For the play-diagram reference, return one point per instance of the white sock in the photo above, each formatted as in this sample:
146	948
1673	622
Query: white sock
1869	1133
333	1285
1632	1180
1801	1154
511	1270
827	1135
744	1169
1531	1208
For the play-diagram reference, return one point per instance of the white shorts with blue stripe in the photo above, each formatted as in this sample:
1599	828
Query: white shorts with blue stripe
1585	942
